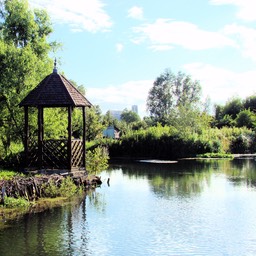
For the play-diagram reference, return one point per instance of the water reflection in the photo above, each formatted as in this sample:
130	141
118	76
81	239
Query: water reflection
188	208
242	171
190	177
97	200
59	231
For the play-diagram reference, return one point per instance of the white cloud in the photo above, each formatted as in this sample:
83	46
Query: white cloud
246	8
135	12
121	96
217	83
163	47
245	36
86	15
119	47
222	84
169	33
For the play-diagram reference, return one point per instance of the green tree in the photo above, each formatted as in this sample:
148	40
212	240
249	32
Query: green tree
226	115
80	87
129	116
246	118
97	160
250	103
187	119
233	107
24	62
148	120
108	119
170	91
95	127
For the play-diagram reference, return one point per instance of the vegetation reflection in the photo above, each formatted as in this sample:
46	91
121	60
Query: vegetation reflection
190	177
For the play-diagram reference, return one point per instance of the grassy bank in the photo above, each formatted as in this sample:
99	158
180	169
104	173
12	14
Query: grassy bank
42	204
21	194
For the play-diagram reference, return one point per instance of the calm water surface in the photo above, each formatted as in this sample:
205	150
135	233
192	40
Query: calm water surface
186	208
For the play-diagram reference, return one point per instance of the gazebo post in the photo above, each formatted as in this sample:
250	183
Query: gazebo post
84	136
70	138
40	136
26	134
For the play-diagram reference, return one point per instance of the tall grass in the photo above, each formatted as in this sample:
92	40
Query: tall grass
169	143
8	175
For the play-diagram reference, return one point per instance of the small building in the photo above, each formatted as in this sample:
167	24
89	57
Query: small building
111	132
54	91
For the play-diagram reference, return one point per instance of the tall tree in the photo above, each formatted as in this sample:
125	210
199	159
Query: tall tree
95	125
250	103
129	116
170	91
226	115
246	118
233	107
24	62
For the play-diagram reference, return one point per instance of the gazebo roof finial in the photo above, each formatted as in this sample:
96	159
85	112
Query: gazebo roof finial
55	67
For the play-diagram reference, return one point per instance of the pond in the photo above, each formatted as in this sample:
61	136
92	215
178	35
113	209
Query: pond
185	208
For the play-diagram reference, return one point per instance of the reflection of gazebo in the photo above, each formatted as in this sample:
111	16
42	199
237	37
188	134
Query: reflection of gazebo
54	91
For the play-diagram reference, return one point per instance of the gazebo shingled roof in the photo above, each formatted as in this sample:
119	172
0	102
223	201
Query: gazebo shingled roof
55	91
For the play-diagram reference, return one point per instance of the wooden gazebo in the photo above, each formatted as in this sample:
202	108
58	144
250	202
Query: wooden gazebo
54	91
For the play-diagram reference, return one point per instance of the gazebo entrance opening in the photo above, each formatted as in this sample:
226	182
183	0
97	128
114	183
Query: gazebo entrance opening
55	91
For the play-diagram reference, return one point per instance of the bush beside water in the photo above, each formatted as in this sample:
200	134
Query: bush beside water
67	188
168	143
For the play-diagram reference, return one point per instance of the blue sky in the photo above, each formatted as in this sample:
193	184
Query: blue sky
117	48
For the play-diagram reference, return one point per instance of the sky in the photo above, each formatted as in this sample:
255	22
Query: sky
117	48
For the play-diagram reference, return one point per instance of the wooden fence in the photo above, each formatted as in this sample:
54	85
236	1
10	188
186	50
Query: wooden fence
55	154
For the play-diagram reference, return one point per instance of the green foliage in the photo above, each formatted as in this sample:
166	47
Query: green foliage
24	62
8	175
129	116
216	155
188	118
11	202
95	127
55	123
67	188
233	107
166	142
108	119
51	189
246	118
170	91
97	159
250	103
243	143
236	112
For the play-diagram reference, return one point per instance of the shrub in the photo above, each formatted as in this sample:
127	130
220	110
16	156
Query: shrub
242	144
215	155
11	202
97	160
8	175
168	143
51	189
67	187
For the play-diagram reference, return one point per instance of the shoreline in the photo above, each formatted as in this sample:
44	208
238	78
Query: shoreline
33	189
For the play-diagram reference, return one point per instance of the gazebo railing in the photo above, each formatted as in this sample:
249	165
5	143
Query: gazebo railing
54	154
77	153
